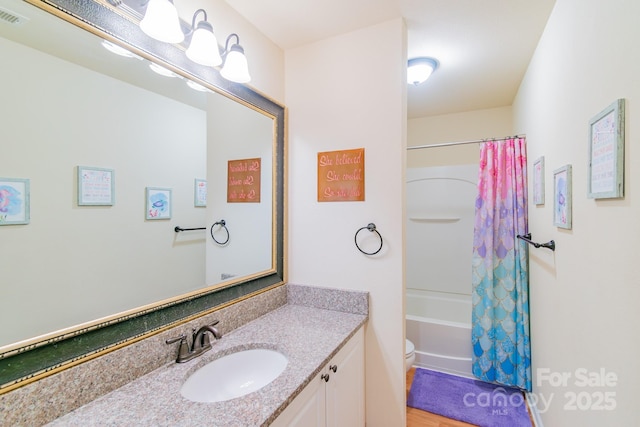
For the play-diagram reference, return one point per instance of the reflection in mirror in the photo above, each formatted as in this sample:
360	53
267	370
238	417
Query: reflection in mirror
93	261
71	104
243	137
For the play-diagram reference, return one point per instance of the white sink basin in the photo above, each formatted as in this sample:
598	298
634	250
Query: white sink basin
234	375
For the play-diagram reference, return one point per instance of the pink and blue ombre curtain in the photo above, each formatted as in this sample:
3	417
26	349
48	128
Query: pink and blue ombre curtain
500	296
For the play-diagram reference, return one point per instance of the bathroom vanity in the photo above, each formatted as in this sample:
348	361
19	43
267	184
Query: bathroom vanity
322	382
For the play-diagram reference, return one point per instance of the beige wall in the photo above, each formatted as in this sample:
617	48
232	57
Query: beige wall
342	93
584	296
466	126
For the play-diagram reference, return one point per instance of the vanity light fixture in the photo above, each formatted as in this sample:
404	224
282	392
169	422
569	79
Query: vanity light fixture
195	86
118	50
161	22
161	70
235	66
419	69
203	48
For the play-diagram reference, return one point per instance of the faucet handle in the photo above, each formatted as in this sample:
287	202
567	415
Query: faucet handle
183	351
181	337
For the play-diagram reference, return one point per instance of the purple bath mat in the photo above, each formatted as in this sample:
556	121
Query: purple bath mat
468	400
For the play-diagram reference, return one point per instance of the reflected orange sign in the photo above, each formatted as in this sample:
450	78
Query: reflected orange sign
243	181
341	176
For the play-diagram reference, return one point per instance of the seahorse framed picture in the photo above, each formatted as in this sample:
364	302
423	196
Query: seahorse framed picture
562	205
538	181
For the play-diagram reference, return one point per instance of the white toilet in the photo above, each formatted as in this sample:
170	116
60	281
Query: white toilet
409	355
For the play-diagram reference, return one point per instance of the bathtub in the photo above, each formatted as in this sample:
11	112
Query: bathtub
439	325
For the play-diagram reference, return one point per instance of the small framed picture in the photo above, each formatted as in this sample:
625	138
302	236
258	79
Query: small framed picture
538	181
200	192
95	186
158	203
14	201
562	197
606	153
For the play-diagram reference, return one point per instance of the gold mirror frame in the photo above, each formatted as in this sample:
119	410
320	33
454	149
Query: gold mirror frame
31	360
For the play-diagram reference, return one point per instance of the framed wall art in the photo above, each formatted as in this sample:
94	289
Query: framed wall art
158	204
562	205
243	180
200	193
14	201
95	186
606	153
538	181
341	176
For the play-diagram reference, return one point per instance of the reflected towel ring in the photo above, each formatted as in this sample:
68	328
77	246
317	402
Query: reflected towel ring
222	223
371	227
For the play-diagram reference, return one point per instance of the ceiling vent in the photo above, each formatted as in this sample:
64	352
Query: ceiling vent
11	17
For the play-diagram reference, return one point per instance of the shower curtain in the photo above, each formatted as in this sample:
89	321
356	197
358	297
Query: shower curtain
500	280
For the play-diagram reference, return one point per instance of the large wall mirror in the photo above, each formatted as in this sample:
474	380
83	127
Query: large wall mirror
80	278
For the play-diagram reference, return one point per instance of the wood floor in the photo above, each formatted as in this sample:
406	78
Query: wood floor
418	418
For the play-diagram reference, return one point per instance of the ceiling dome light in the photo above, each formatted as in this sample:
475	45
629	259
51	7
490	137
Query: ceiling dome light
161	22
419	69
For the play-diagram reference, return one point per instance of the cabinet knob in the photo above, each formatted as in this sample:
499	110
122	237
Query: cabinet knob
325	377
334	368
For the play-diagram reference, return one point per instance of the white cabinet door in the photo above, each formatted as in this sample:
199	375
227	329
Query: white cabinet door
345	388
308	409
335	397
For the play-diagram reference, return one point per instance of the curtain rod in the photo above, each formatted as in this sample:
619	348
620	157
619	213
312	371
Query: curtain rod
474	141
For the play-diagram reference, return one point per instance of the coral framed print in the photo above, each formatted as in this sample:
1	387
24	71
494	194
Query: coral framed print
14	201
538	181
200	193
158	204
95	186
606	153
562	197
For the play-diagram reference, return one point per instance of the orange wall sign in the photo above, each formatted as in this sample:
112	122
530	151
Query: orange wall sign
243	181
341	176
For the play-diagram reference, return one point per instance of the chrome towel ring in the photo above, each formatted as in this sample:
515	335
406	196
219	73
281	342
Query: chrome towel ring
223	224
372	228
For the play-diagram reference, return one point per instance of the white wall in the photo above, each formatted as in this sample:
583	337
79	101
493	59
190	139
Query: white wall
584	296
342	93
465	126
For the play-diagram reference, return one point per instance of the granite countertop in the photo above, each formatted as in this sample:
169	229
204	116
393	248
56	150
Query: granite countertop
308	336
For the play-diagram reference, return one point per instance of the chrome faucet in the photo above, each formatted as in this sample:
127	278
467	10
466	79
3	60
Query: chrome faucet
199	345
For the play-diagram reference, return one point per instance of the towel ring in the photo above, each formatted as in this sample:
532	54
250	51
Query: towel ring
371	227
222	223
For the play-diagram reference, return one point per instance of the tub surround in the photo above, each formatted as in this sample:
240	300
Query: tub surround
141	381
